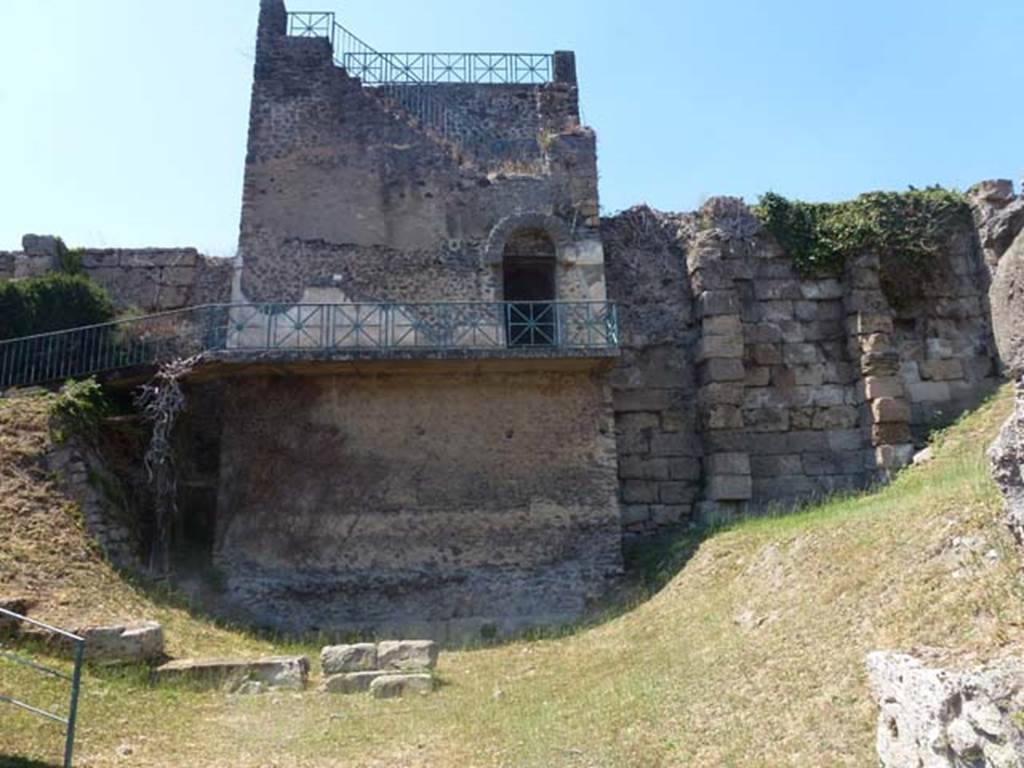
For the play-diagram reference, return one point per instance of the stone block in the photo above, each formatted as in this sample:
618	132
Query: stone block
396	686
641	468
812	375
894	456
762	333
351	682
722	394
335	659
836	417
801	354
766	354
734	463
723	417
766	419
641	400
729	487
805	311
890	434
710	303
880	364
821	463
867	302
775	310
928	391
639	491
773	466
719	346
866	324
802	418
758	376
407	654
280	672
890	409
634	514
941	370
674	444
722	325
842	440
670	514
774	290
717	369
939	348
822	289
883	386
684	468
674	493
131	643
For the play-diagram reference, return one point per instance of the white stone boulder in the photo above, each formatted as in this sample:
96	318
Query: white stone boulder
407	655
337	659
290	673
930	717
396	686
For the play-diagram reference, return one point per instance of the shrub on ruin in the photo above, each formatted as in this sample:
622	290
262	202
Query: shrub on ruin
51	302
907	230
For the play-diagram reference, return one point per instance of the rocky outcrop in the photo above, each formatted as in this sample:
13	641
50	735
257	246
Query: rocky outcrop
1006	299
1007	455
932	717
999	216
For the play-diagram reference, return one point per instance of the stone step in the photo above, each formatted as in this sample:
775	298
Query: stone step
289	673
399	655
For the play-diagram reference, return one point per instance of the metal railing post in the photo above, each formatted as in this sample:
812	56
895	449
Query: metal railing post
76	683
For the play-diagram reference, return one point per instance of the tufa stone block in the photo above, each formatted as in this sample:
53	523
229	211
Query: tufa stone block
407	654
335	659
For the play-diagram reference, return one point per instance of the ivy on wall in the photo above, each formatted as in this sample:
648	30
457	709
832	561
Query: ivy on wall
906	229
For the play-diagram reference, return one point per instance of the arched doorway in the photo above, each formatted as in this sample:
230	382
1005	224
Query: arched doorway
528	274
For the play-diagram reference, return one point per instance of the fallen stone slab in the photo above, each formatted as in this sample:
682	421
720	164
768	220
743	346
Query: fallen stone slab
352	682
336	659
407	655
132	643
289	673
396	686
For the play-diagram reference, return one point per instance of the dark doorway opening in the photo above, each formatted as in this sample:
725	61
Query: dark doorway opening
529	289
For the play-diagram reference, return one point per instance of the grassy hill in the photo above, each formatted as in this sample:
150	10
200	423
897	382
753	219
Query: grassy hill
751	654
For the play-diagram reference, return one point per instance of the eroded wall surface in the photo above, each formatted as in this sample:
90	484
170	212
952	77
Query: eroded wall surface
448	504
345	195
745	384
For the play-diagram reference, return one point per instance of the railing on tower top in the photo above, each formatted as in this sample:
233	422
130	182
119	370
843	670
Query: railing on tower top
399	77
374	67
374	328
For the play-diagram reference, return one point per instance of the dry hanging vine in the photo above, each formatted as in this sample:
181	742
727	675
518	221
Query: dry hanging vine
160	402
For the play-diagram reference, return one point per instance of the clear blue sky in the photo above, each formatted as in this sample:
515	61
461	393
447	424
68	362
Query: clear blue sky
123	122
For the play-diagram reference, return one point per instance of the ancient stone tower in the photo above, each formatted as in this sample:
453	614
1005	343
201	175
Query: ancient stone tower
440	456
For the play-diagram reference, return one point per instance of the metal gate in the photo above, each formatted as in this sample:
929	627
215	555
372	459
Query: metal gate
74	679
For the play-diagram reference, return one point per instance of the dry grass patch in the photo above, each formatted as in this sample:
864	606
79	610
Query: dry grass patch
752	655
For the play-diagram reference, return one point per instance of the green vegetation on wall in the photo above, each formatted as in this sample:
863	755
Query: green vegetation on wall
79	409
906	229
53	302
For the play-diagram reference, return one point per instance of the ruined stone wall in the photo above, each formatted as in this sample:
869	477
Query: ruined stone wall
140	279
438	502
785	387
655	383
345	197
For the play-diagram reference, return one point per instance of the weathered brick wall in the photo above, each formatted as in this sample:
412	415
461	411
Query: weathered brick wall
435	502
343	193
790	388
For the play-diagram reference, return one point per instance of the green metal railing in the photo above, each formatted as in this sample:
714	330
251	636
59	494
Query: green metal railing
74	679
382	328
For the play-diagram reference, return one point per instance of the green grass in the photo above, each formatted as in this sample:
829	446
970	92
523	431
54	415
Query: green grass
750	654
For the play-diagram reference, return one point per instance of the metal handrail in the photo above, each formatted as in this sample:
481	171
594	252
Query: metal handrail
75	678
379	328
401	78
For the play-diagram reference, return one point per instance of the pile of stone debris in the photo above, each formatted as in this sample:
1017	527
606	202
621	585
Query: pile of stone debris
387	669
